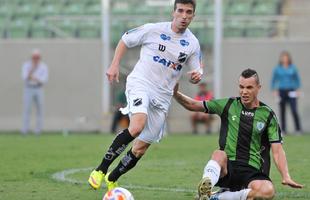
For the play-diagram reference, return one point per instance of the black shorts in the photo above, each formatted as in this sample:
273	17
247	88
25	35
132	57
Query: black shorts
240	175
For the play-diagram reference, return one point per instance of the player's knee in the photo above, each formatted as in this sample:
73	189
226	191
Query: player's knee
135	130
137	123
268	192
138	152
263	191
220	157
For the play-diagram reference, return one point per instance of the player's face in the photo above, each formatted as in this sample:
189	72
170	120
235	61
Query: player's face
182	17
248	91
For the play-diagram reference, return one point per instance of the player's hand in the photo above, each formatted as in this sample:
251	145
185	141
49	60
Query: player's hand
175	89
195	76
113	73
291	183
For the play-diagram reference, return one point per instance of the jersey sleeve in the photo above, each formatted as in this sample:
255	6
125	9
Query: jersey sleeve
136	36
194	61
215	106
274	131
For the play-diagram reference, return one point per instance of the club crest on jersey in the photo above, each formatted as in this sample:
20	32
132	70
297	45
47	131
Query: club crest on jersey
137	102
182	57
165	37
184	43
260	125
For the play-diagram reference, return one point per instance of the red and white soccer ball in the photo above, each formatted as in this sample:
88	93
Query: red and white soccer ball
118	194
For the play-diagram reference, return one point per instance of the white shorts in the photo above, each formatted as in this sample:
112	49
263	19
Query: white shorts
139	100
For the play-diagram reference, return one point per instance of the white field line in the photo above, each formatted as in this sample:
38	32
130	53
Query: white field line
63	177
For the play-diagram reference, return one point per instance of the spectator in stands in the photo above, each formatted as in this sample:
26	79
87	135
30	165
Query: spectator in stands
118	117
199	117
285	84
35	75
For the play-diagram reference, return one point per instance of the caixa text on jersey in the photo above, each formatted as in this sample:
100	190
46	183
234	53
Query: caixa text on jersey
167	63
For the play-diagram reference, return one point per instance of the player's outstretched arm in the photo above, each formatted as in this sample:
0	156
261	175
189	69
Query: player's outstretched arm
113	71
281	163
187	102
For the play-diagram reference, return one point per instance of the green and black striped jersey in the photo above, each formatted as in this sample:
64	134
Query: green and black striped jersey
246	134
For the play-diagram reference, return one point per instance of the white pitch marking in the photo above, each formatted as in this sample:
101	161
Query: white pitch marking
62	176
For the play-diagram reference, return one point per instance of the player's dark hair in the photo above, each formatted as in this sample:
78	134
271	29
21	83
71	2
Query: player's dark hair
193	2
248	73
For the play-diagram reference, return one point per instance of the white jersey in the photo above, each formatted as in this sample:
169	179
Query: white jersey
164	55
41	73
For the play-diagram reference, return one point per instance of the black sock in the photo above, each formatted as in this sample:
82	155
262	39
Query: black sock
127	163
118	145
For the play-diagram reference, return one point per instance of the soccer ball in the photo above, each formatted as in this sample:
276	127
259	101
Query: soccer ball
118	194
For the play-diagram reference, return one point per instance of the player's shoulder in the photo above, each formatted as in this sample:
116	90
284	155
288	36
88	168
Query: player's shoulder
158	25
225	100
162	24
266	108
191	36
147	26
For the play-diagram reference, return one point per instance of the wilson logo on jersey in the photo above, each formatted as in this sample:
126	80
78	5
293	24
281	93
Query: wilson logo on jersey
161	47
184	43
167	63
165	37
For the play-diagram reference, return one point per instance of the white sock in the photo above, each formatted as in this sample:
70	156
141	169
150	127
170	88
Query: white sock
213	171
238	195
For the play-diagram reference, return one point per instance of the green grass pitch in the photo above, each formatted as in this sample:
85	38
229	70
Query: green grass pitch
169	170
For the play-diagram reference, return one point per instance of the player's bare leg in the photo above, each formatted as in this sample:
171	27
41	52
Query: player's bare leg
119	144
128	162
261	189
257	189
215	168
137	123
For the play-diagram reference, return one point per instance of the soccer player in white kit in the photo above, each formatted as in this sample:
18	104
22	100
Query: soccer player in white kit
166	49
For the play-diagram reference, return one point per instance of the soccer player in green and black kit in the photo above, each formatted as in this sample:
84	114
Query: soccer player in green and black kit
248	129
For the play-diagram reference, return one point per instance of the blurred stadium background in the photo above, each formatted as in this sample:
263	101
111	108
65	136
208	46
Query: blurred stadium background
69	34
